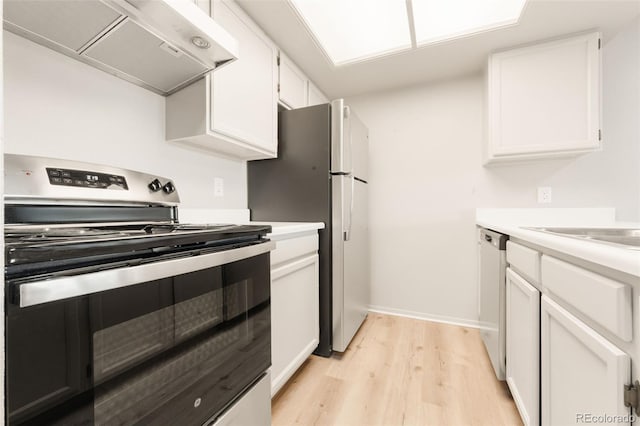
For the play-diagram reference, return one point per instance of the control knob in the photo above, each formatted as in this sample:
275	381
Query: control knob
168	187
155	185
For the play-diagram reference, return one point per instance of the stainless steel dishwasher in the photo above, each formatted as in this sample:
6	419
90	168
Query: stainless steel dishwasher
492	308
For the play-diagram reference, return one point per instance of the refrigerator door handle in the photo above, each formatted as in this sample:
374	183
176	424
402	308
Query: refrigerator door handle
341	150
347	232
348	155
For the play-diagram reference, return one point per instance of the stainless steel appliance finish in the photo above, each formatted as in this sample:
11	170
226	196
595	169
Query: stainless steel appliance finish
493	264
620	237
161	45
350	218
321	175
29	179
116	313
253	408
51	290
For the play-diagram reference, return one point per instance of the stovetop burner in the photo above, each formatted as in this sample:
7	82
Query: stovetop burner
186	228
50	234
25	233
48	248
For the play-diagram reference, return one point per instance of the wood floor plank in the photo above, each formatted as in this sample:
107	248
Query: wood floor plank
399	371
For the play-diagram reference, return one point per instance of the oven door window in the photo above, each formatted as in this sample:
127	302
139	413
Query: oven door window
47	356
172	351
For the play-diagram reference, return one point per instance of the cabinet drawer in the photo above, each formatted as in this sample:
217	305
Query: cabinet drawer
524	260
602	299
293	248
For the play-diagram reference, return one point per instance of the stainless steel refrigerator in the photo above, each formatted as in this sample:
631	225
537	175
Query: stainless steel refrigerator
321	175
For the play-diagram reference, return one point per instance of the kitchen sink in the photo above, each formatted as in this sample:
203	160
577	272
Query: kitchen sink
627	237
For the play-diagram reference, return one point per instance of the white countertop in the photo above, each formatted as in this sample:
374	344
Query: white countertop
609	255
241	216
285	228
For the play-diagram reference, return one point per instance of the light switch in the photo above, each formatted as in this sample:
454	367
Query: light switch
218	187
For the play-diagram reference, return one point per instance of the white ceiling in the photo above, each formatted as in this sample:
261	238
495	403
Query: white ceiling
541	19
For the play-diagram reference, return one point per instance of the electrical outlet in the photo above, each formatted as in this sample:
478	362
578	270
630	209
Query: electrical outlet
218	187
544	194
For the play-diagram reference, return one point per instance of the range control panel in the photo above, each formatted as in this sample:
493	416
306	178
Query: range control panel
86	179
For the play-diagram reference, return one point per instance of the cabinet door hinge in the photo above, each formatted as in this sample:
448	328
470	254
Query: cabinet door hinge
278	60
599	134
599	43
631	396
278	87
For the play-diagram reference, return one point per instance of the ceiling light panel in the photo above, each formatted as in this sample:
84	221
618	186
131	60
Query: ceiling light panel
437	20
352	30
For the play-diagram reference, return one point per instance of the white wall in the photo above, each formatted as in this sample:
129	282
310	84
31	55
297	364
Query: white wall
427	179
58	107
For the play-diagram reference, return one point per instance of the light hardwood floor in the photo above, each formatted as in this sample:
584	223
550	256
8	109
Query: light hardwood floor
399	371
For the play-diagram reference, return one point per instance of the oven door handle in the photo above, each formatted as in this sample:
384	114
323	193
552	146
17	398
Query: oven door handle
51	290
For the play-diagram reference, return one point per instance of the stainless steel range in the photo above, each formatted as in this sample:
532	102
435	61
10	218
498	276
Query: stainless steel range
116	313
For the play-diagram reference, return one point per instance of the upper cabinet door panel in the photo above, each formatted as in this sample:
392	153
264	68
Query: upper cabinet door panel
293	84
316	97
544	100
232	111
204	5
244	92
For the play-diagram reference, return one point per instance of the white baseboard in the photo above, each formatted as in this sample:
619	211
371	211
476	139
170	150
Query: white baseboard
424	316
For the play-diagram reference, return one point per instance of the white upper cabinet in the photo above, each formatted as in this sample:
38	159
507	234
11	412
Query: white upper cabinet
295	88
232	111
293	84
205	5
316	97
244	96
544	100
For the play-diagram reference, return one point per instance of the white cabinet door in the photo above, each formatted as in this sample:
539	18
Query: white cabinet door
293	84
294	317
243	93
582	373
316	97
232	111
204	5
523	346
544	100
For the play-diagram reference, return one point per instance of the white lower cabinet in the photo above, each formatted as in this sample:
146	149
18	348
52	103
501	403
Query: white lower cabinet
583	374
294	306
523	346
564	369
